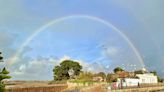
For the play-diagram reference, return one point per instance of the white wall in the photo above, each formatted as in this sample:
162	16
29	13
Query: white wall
142	78
147	78
131	82
128	82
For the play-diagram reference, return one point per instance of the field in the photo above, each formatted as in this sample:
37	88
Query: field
33	86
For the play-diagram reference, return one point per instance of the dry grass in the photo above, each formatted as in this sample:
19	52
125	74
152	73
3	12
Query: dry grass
23	84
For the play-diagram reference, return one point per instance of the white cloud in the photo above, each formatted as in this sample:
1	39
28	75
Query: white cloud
110	51
65	57
41	69
38	69
22	67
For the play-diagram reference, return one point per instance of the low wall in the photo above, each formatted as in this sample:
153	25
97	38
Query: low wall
144	89
96	87
55	88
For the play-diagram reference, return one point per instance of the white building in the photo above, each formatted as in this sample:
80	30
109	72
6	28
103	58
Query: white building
131	81
126	82
147	78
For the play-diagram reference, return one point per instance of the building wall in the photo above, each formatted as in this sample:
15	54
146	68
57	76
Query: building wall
142	78
147	78
131	82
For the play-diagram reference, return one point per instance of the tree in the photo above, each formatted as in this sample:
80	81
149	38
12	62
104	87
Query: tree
140	72
102	74
1	58
153	72
111	78
3	75
158	77
61	72
57	73
118	69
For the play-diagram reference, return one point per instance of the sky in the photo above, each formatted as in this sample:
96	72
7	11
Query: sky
115	33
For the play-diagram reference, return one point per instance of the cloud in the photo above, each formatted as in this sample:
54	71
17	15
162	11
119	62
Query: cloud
65	57
110	51
84	64
113	56
37	69
40	68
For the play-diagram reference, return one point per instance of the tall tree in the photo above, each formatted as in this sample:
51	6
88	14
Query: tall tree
62	72
3	75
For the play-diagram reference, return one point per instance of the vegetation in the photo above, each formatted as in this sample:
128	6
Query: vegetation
154	72
3	75
101	74
118	69
68	69
1	58
86	76
158	77
111	78
83	81
140	72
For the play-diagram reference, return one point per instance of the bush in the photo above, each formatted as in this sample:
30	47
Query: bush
83	81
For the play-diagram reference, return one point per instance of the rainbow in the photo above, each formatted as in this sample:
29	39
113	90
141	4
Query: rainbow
14	58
